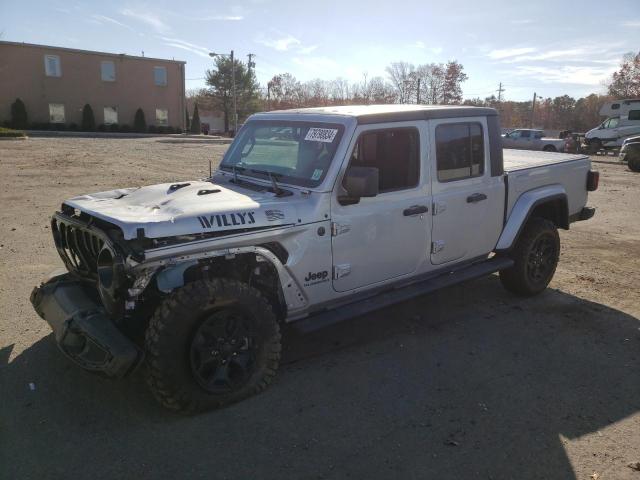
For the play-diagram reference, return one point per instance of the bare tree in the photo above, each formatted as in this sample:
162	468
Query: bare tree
402	76
625	83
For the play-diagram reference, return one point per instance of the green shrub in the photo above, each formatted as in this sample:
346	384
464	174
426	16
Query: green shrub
102	128
10	133
153	129
18	114
114	127
139	122
195	121
88	120
125	128
73	127
60	127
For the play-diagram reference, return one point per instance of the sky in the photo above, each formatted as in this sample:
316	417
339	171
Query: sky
548	47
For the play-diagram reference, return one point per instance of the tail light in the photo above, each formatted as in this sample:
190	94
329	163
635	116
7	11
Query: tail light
593	179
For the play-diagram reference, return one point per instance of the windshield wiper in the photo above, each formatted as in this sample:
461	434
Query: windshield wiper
235	169
272	176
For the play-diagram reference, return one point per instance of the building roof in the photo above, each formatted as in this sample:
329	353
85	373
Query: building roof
392	113
89	52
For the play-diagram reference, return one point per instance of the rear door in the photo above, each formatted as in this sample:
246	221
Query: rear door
468	202
387	236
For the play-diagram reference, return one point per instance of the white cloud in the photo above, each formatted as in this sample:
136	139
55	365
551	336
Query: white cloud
184	45
632	24
102	18
509	52
419	44
223	17
575	75
281	44
316	65
148	18
306	50
524	21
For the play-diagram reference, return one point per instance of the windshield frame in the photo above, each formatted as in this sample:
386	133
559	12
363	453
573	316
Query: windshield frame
246	170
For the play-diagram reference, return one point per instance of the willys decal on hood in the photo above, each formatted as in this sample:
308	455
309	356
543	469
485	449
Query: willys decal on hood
167	209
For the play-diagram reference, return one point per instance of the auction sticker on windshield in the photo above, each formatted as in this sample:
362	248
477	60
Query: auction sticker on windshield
321	134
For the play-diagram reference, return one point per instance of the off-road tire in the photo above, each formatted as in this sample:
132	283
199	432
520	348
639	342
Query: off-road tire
522	278
595	145
172	329
633	161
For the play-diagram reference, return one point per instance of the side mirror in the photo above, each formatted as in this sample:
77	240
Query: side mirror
359	182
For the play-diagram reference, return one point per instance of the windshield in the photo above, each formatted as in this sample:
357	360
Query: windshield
298	153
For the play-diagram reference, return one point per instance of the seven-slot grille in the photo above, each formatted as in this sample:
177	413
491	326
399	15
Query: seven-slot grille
78	246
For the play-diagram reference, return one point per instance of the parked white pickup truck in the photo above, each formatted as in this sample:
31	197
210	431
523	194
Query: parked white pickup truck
528	139
314	216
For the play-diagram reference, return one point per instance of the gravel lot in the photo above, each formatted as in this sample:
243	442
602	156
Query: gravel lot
470	382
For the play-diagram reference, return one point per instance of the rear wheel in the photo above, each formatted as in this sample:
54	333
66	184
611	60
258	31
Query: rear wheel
595	145
633	160
211	343
536	255
549	148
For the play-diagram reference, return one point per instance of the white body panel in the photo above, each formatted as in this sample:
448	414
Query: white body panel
335	251
623	121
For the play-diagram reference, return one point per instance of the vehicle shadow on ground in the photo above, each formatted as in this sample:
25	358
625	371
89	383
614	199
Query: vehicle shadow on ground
468	382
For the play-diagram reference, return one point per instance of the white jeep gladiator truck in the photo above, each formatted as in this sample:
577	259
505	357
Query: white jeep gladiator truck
313	216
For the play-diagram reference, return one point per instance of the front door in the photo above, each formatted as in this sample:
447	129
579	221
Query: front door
387	236
468	202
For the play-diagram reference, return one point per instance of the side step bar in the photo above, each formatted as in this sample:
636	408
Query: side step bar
326	318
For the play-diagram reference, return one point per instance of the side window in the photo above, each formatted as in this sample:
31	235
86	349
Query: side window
160	76
162	117
612	122
108	71
525	133
634	114
396	155
56	113
110	115
459	151
537	135
52	66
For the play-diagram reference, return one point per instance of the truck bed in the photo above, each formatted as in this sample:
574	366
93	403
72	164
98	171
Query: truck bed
526	170
522	159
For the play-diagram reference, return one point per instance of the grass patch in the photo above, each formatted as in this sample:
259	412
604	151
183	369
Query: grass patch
10	133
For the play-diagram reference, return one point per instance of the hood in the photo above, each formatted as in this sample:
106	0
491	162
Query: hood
171	209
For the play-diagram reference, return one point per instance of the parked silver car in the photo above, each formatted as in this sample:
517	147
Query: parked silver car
528	139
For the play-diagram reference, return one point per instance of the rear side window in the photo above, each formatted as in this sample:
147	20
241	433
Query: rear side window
459	151
634	114
396	155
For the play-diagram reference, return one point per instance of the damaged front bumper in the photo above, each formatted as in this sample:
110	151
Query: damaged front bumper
82	329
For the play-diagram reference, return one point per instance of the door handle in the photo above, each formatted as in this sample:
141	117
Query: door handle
415	210
476	197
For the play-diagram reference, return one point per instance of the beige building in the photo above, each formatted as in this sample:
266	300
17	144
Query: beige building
55	83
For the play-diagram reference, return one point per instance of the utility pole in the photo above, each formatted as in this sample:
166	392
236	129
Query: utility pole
251	64
418	92
500	90
533	109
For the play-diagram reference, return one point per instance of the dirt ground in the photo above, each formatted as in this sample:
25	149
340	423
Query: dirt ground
470	382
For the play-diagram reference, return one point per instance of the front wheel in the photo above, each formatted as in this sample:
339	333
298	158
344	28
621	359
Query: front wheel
549	148
211	343
536	255
633	160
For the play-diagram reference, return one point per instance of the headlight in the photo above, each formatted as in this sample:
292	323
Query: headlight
111	281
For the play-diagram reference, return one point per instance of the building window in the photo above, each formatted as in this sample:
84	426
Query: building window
52	66
162	117
56	113
394	152
110	115
160	76
634	114
108	71
459	151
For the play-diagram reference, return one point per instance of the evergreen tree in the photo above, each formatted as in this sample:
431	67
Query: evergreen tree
18	114
186	119
88	120
195	121
139	122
